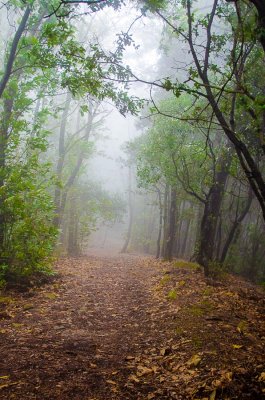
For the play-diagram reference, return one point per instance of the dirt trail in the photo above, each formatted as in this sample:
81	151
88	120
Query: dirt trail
71	342
128	327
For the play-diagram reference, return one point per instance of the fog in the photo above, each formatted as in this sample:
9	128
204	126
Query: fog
127	122
107	165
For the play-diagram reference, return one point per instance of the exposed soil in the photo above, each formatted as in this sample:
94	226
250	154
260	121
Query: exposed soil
129	327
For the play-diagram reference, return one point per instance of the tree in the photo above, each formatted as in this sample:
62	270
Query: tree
43	57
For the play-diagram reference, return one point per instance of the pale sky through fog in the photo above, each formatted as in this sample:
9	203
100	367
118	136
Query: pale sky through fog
143	62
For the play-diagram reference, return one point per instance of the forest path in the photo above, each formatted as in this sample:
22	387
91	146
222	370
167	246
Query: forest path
74	336
129	327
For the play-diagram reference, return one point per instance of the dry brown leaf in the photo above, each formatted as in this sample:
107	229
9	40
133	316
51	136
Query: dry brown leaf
262	377
111	382
134	378
142	370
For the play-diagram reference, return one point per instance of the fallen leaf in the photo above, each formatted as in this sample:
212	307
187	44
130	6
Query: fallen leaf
151	396
51	296
165	351
17	326
262	377
28	306
194	361
134	378
111	382
5	385
237	346
213	395
143	370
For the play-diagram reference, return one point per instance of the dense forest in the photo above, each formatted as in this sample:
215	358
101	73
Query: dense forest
189	76
198	158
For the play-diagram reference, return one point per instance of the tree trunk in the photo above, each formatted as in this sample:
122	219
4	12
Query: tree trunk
172	225
234	227
165	221
251	169
129	232
211	212
59	170
13	50
158	243
7	111
185	239
73	248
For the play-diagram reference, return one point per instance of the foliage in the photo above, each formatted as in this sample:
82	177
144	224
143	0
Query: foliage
28	207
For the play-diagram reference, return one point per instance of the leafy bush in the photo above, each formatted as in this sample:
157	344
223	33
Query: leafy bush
29	234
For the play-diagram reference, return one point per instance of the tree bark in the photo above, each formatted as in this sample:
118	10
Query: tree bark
246	160
60	164
129	232
260	7
158	243
73	248
185	239
7	112
165	221
210	216
13	50
234	227
172	225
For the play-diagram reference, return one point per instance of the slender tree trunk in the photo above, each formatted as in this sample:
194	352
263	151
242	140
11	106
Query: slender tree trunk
129	232
151	223
4	126
185	239
165	220
172	225
158	243
13	50
218	239
234	227
180	229
211	212
60	163
73	248
246	160
60	197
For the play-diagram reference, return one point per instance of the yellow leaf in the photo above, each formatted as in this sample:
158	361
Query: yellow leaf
17	326
51	296
237	346
194	361
242	327
228	376
262	377
5	385
5	377
28	306
213	395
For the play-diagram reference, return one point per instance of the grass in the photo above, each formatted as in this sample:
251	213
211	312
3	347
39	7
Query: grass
187	265
166	278
6	300
172	294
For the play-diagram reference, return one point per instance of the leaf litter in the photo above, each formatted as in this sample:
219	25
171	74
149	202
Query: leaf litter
107	329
